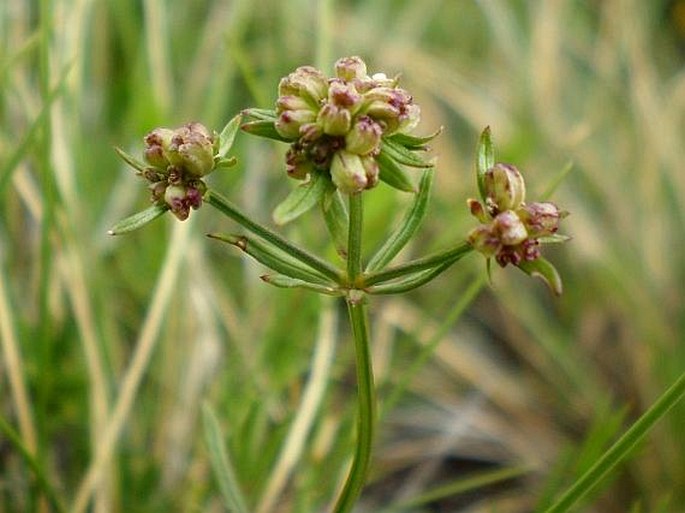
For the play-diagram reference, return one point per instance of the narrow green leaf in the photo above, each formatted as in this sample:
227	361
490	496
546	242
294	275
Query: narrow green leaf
621	448
224	472
404	156
449	256
263	128
260	114
286	282
272	257
137	220
222	163
554	238
227	136
393	174
301	199
131	161
543	269
485	159
410	281
413	142
407	227
336	217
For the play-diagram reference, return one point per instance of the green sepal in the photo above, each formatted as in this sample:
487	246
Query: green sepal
409	282
263	128
543	269
413	142
393	174
286	282
227	136
485	159
135	221
272	257
404	156
336	217
301	199
407	227
136	164
260	114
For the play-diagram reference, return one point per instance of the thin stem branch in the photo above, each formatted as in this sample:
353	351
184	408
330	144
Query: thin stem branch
354	256
227	208
366	393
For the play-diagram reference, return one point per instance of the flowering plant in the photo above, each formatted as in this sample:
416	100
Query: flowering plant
346	134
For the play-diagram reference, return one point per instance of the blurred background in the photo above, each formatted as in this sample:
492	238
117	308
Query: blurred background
494	396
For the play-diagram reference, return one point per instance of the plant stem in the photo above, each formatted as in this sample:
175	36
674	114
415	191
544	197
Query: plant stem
354	244
227	208
366	394
621	448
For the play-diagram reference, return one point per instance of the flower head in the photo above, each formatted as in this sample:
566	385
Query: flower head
511	231
336	125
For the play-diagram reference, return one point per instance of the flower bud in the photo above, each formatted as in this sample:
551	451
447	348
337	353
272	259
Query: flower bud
478	210
372	171
348	172
484	240
175	197
364	137
297	163
334	120
290	122
291	102
541	219
409	118
192	148
504	187
350	68
306	82
510	228
156	146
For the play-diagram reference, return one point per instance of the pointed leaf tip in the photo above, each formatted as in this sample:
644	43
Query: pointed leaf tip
543	269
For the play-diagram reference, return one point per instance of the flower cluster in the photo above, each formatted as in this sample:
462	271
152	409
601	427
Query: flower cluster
178	159
511	230
336	124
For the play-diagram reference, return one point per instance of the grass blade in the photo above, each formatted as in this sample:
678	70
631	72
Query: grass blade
224	473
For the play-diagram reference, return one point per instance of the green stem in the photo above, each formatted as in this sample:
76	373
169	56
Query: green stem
230	210
366	393
354	244
449	256
621	448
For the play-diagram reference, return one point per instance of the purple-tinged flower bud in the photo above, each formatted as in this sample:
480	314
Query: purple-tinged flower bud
478	210
156	146
298	165
409	118
504	187
348	173
350	68
541	219
364	137
290	122
175	197
291	102
510	228
344	95
306	82
484	240
157	191
192	148
372	171
334	120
